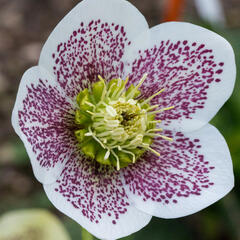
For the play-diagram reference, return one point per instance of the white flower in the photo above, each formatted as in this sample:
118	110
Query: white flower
111	39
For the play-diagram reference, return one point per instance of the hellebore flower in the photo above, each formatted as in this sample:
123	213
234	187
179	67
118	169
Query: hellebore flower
115	118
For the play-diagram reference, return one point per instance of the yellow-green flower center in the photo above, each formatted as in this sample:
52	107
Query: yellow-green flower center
114	128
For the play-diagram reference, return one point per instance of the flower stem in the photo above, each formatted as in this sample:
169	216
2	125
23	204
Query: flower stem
86	235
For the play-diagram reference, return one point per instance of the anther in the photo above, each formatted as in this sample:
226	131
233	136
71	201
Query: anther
107	154
153	96
132	93
159	135
119	125
160	110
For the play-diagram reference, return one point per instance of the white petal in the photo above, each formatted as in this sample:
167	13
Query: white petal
95	199
192	172
90	41
195	66
40	119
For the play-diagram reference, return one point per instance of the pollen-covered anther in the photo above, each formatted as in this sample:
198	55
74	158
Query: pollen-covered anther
115	126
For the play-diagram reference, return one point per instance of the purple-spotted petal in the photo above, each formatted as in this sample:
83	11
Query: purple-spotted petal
42	117
89	41
192	172
95	198
195	66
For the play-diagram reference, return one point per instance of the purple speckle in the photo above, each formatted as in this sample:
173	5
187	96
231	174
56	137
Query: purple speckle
185	70
93	49
178	172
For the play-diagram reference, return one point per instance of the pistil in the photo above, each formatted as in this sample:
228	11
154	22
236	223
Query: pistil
115	127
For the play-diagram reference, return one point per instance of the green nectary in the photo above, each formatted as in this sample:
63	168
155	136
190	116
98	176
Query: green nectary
114	128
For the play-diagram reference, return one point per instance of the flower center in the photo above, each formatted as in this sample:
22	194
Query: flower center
115	128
